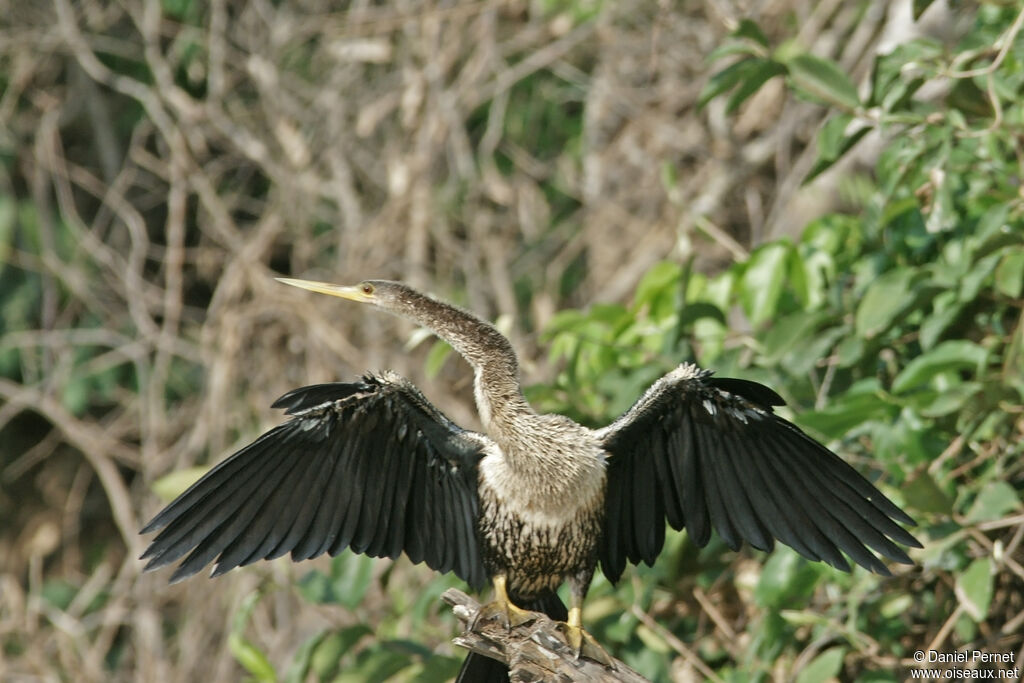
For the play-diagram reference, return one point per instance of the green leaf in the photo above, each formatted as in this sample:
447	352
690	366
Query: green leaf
692	312
352	575
974	588
946	308
885	300
830	138
922	493
949	355
436	357
849	410
895	604
842	146
661	279
849	351
58	593
786	580
378	664
763	280
247	654
752	82
329	650
787	333
652	640
346	585
1010	273
750	29
172	485
299	666
436	669
735	47
995	500
251	658
727	79
810	271
949	400
823	79
823	667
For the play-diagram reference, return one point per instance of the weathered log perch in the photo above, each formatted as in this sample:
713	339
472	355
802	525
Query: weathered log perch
534	651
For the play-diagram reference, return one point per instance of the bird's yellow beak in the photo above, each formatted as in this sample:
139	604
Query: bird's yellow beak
353	293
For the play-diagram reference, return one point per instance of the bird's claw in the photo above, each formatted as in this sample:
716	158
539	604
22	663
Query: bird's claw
585	645
504	612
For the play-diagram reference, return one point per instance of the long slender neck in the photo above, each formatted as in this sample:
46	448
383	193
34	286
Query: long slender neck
499	397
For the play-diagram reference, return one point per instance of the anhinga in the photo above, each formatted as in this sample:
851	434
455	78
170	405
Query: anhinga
535	500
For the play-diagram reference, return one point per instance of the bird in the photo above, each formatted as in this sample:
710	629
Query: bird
532	500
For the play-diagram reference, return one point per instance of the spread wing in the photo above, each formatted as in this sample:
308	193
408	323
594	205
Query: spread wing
370	466
704	452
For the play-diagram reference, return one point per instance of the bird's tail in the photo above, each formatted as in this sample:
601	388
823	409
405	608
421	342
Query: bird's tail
480	669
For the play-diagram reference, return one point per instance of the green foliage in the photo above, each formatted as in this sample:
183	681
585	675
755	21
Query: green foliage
895	333
354	652
247	654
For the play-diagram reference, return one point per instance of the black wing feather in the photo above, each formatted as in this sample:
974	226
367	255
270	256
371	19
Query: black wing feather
703	452
201	513
368	465
750	521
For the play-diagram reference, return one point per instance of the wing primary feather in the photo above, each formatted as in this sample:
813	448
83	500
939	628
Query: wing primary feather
813	542
339	494
717	492
357	467
626	538
377	526
774	496
214	542
845	472
219	502
321	528
735	466
695	506
373	443
445	540
647	518
368	465
276	512
305	502
857	491
869	524
823	517
464	564
418	528
613	561
232	472
668	482
398	517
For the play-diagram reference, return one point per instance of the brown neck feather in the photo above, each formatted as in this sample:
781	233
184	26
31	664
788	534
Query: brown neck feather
498	393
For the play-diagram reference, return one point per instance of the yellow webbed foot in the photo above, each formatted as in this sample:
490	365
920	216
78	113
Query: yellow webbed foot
502	610
582	642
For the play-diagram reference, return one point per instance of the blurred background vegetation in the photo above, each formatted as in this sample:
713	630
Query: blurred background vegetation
824	196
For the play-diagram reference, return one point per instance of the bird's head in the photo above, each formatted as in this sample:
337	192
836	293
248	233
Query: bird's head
390	296
476	340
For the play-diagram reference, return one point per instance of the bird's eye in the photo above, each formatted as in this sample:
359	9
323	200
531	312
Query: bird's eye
367	288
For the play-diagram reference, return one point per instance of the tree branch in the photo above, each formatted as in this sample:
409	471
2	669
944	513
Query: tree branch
534	651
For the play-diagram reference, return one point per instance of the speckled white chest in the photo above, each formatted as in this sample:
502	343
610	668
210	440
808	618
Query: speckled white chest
548	492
